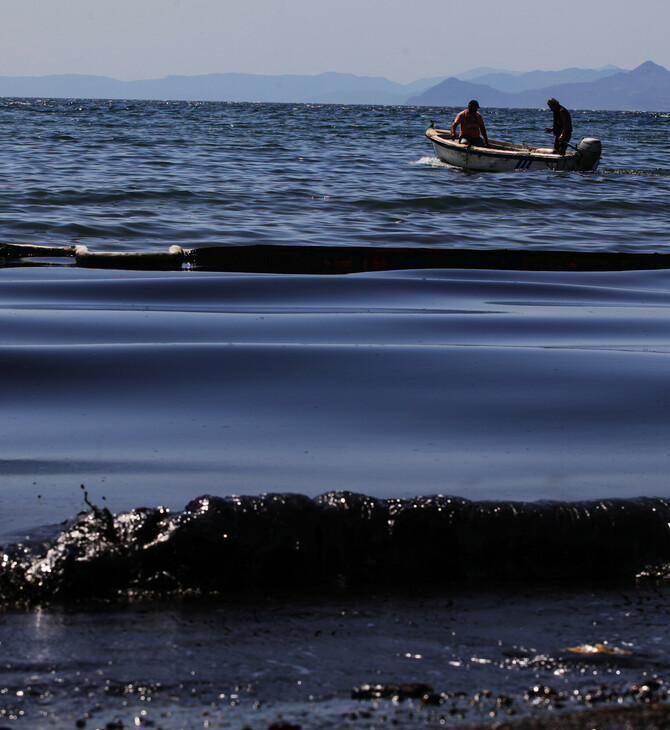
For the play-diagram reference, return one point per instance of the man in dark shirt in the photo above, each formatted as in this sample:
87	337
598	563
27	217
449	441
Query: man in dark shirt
562	128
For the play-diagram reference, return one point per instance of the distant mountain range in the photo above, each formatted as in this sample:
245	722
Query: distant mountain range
646	88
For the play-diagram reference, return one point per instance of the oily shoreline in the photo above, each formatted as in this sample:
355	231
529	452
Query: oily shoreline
475	659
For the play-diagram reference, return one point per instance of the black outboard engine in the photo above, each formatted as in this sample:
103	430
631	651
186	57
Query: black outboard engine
589	150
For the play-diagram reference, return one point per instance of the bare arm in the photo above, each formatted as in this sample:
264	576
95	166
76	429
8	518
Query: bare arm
483	130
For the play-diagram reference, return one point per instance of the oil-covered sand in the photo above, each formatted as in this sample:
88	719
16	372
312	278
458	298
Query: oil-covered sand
343	660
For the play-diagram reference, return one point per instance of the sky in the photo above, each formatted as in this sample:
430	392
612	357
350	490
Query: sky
402	40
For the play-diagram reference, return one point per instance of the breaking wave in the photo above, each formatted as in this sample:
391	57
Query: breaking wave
221	546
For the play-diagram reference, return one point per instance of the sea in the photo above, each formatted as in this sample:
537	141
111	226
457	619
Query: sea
284	495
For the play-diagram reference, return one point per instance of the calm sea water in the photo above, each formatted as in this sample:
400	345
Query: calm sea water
142	175
132	389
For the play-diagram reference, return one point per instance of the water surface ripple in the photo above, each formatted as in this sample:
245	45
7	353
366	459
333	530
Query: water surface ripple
138	175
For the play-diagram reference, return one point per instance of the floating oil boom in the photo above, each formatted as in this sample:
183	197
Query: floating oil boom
269	259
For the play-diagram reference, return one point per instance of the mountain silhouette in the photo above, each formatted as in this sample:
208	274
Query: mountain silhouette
335	88
645	88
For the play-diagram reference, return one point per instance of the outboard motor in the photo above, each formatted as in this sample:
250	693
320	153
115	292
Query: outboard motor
590	150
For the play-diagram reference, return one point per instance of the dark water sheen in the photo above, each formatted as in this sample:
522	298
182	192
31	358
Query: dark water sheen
538	400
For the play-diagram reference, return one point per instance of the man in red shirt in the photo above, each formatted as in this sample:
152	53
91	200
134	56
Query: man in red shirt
471	123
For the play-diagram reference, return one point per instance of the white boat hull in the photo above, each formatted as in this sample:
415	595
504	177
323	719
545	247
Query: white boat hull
505	156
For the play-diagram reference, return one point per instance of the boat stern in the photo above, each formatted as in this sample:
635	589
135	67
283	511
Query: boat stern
589	150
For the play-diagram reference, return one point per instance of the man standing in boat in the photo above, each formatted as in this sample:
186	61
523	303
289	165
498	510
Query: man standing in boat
471	123
562	128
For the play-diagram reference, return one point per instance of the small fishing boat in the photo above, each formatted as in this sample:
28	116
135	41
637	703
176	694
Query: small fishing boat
506	156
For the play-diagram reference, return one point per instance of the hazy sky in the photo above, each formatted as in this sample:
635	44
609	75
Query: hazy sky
403	40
